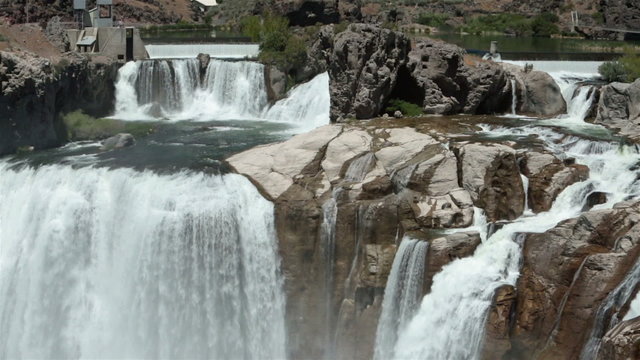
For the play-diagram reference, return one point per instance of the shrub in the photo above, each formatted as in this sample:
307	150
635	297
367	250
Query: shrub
631	63
612	71
541	25
406	108
433	19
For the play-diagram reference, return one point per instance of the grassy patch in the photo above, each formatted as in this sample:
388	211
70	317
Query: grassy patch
433	19
406	108
81	126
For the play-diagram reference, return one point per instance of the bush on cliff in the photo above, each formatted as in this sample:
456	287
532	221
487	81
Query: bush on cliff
625	69
277	45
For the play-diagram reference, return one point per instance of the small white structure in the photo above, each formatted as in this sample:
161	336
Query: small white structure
102	15
205	5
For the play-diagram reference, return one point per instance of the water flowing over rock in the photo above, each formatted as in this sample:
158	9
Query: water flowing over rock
567	272
127	264
619	108
537	92
548	177
206	89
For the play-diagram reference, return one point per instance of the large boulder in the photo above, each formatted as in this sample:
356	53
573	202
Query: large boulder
445	82
538	94
548	177
491	175
619	108
363	63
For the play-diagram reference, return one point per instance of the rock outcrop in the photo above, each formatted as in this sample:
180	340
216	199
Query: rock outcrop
363	64
622	342
548	177
491	175
568	275
118	141
619	108
344	196
448	84
537	92
369	65
35	91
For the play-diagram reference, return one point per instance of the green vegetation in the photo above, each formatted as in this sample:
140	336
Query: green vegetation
541	25
278	46
433	19
406	108
625	69
81	126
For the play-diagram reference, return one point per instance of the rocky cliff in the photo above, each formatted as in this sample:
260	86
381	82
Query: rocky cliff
344	197
369	66
619	108
35	92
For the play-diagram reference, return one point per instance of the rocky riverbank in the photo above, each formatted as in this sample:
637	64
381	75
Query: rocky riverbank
35	92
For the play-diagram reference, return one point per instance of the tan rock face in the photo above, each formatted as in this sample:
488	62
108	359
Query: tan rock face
378	184
548	177
622	342
491	175
566	275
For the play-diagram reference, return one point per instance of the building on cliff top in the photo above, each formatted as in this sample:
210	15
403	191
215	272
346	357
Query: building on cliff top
96	34
205	5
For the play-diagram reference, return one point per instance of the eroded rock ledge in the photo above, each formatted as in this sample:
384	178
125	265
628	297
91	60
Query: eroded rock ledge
346	194
34	91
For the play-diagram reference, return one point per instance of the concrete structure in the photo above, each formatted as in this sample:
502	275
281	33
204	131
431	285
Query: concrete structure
116	43
218	51
205	5
102	14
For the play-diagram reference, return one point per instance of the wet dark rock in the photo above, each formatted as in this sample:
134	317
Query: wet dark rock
622	342
595	198
118	141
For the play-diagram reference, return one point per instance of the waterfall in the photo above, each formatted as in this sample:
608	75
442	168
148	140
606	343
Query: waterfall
451	319
307	105
328	236
360	167
607	315
401	295
514	97
114	263
525	186
227	90
173	89
579	106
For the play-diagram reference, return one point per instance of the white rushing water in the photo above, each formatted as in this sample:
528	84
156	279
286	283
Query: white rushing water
450	322
219	51
100	263
401	295
228	90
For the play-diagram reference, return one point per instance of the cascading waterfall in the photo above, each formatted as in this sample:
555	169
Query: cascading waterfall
450	322
307	105
359	168
102	263
228	90
402	294
609	310
514	97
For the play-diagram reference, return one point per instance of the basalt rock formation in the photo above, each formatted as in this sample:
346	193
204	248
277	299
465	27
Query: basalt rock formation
344	196
369	66
569	288
537	92
619	108
35	92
